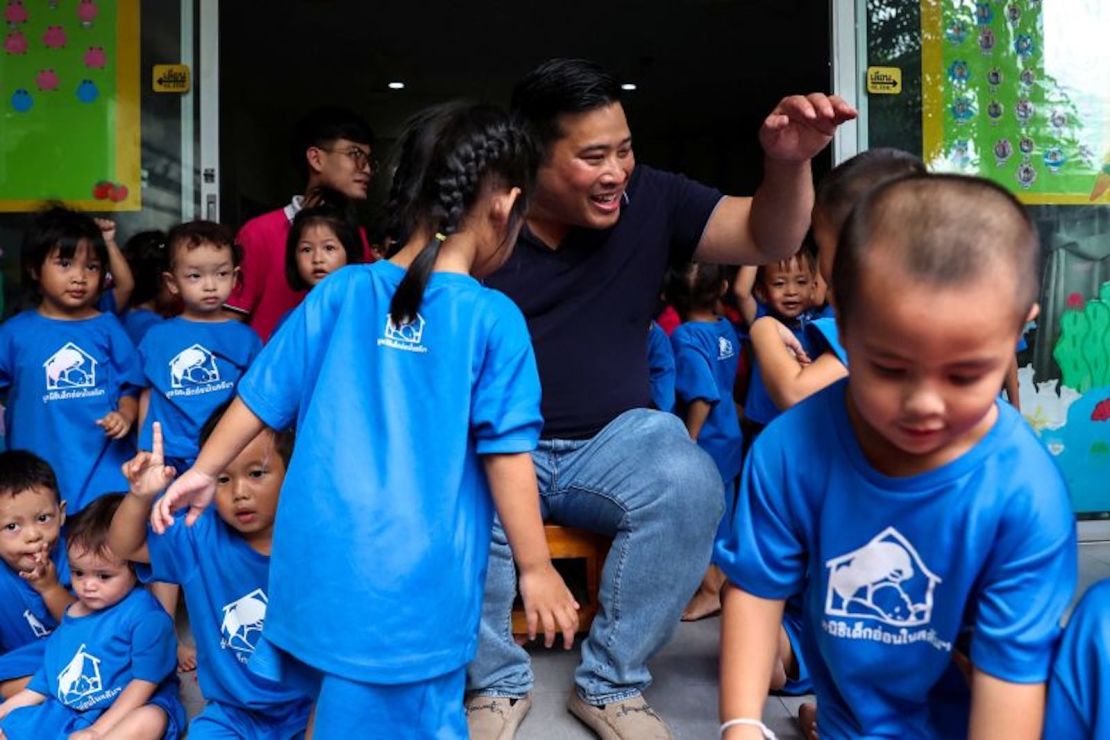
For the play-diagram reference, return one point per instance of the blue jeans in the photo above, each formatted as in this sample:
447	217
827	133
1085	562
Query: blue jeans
642	481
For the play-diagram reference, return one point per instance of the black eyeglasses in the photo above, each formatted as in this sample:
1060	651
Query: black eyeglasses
360	157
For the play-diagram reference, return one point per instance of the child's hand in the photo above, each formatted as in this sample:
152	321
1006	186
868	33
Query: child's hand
547	601
792	344
43	576
115	425
147	473
194	489
107	229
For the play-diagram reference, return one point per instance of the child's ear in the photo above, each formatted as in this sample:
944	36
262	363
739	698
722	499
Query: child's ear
759	293
724	289
1034	312
61	514
501	205
171	284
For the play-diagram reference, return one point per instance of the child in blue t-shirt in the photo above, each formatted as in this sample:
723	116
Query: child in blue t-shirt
660	368
1079	690
932	512
151	301
222	563
71	374
786	290
416	397
705	354
108	668
33	579
193	362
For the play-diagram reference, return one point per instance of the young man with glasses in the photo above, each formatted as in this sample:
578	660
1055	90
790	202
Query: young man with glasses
333	147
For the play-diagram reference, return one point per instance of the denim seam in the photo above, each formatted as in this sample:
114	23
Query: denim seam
613	698
494	693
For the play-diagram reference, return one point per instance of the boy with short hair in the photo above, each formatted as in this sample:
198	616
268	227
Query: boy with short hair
933	509
33	596
332	148
222	564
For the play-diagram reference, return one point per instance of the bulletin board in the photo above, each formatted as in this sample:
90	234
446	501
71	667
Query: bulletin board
1018	91
69	104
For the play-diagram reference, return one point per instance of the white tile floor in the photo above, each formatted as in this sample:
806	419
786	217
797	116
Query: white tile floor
685	671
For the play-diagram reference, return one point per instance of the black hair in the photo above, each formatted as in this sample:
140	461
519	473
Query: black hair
145	253
329	208
806	258
87	530
445	156
945	230
283	441
193	234
324	125
695	286
21	471
843	187
560	86
58	227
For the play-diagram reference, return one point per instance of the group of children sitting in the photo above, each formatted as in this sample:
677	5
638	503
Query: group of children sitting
899	544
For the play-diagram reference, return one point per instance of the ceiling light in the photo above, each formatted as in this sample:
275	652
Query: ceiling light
396	86
629	86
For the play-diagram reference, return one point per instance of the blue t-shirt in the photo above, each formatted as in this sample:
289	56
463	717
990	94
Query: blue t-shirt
897	566
1079	690
758	406
705	360
587	302
661	367
192	368
61	377
823	335
225	583
383	526
137	322
91	659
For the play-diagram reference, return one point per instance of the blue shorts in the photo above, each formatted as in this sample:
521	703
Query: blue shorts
792	624
344	708
219	721
23	661
52	719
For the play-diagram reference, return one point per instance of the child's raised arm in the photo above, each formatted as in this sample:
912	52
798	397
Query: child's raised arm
547	601
749	648
787	380
123	282
1001	710
197	486
146	474
742	289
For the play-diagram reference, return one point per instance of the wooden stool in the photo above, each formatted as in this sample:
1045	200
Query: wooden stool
567	543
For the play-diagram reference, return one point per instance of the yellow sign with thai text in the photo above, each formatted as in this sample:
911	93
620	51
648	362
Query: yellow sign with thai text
171	78
884	80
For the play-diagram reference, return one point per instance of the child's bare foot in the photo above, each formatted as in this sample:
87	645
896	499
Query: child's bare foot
704	604
807	719
186	658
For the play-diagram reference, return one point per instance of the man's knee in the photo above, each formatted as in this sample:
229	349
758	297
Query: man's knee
686	477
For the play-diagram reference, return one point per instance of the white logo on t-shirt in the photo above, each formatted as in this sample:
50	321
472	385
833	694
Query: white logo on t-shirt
408	337
36	626
724	349
80	678
885	580
243	620
193	366
70	367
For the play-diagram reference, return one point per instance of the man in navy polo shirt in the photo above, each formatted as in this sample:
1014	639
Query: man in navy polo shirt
586	273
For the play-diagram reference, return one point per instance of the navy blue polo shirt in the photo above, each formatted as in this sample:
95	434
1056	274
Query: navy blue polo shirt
587	302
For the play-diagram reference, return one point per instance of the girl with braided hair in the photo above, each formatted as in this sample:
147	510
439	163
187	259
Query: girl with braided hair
416	398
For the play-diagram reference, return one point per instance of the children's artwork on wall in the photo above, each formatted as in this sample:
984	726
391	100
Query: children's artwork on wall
69	104
1018	91
1072	416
